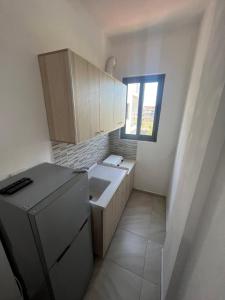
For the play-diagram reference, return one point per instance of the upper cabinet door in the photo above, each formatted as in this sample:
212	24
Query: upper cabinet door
106	102
81	97
120	91
123	102
58	94
94	99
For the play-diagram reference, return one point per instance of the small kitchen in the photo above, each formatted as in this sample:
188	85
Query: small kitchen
112	130
66	213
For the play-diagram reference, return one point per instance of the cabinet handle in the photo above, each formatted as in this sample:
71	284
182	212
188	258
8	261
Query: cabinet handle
102	131
120	123
68	247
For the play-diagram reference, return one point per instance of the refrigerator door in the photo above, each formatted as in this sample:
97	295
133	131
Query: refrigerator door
8	287
70	275
56	223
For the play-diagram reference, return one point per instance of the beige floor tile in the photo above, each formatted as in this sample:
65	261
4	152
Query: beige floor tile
128	250
152	269
141	224
150	291
134	254
158	237
114	283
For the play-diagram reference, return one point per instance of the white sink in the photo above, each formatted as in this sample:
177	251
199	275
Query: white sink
96	188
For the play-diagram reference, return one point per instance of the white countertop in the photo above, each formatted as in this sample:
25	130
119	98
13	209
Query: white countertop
114	175
126	164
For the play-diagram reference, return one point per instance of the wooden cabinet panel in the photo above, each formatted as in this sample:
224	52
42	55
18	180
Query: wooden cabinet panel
123	102
94	98
129	183
106	103
131	186
81	95
124	195
108	224
58	94
119	111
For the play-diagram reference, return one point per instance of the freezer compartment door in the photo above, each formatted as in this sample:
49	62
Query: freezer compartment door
70	275
56	224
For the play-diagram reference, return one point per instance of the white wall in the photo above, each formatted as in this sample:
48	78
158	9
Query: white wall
204	274
162	50
200	143
27	29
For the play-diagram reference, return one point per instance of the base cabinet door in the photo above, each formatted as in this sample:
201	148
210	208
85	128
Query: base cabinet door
108	224
112	214
131	181
105	220
70	275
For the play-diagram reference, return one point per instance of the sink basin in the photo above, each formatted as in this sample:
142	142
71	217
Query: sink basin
96	187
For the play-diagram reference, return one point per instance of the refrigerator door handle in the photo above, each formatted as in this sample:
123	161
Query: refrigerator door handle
67	248
82	226
63	253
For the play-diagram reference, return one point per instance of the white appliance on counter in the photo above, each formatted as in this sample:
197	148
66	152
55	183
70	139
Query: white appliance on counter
117	161
113	160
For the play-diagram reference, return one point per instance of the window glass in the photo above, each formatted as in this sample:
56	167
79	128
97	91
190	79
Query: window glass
133	90
144	99
148	108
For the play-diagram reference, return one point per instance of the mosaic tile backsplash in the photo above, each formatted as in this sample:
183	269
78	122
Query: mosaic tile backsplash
126	148
81	155
93	150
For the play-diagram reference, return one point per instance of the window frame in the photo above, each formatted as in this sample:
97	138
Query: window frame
160	78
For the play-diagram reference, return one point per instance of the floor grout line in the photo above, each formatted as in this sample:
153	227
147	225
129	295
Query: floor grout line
122	267
145	238
144	281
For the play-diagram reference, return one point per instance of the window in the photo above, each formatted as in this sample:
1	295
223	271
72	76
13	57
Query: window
144	98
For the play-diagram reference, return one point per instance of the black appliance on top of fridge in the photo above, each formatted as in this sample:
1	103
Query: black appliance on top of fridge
45	223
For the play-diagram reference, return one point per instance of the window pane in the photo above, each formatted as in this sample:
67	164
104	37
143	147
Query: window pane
132	107
148	111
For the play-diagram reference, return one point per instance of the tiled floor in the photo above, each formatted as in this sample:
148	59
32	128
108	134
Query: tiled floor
131	269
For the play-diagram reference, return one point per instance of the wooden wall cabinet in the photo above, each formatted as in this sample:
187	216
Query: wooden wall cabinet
81	100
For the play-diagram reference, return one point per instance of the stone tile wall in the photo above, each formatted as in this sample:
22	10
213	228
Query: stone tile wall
92	151
126	148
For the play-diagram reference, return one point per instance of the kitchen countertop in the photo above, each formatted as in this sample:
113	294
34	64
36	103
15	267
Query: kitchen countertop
114	175
126	164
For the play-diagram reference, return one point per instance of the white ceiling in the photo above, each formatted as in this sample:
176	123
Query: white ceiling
118	16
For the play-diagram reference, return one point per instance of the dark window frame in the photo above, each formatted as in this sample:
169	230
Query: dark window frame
160	78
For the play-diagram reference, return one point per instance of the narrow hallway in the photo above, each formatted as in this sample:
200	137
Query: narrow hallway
131	268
